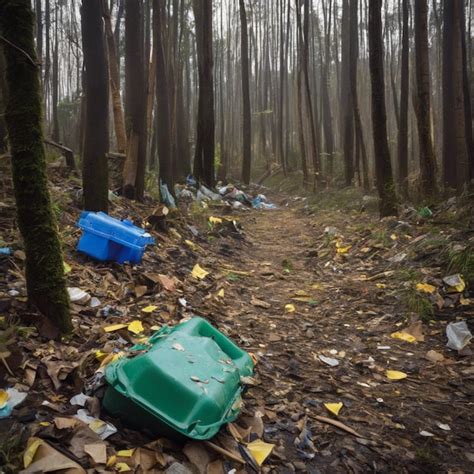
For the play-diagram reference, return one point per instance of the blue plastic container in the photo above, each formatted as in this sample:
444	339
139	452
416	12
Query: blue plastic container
106	238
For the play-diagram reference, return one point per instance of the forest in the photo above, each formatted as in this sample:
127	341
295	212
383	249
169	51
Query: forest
236	236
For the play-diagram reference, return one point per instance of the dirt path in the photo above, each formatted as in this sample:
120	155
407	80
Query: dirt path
420	424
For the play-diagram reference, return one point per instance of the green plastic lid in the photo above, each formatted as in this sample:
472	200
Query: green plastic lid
189	380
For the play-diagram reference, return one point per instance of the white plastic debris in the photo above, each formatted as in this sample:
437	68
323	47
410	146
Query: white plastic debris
459	335
102	428
329	361
80	400
426	434
78	296
444	426
14	398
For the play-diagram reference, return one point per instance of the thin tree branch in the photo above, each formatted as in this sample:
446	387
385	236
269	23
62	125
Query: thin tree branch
32	61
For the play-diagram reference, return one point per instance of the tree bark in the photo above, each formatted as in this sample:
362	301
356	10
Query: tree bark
45	279
162	100
383	167
427	156
204	155
135	101
455	152
3	101
404	94
96	128
347	115
119	121
246	118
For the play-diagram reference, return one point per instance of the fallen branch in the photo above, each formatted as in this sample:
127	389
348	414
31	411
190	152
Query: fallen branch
224	452
337	424
67	153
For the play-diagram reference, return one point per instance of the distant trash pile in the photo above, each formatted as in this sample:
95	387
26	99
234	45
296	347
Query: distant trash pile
230	194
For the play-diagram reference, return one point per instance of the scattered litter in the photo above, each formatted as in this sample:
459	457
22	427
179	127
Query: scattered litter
427	434
458	335
102	428
166	197
9	399
443	426
328	360
455	283
106	238
217	363
78	296
6	251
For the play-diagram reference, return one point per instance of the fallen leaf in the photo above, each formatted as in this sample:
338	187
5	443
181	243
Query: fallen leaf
334	408
115	327
260	450
395	375
136	327
191	245
97	451
215	220
199	273
149	309
167	283
434	356
125	453
3	398
123	467
403	336
290	308
221	293
67	268
425	288
140	291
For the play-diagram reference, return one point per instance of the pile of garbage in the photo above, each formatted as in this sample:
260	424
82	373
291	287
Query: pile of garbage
228	194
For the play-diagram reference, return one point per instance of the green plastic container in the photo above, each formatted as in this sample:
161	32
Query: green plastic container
186	385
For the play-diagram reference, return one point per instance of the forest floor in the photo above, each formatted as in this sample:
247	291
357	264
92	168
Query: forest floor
315	294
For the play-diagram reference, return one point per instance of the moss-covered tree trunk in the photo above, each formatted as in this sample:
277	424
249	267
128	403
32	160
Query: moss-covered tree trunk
44	263
3	129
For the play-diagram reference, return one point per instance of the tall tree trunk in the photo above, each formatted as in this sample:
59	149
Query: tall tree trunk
455	152
204	156
347	115
162	100
119	121
427	157
246	118
353	60
309	103
3	101
404	94
55	84
383	167
135	101
45	280
96	123
39	31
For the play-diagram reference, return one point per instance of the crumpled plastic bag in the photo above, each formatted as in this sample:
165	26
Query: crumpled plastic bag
459	335
166	197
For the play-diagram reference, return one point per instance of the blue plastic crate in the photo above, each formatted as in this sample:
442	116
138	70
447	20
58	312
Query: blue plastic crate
106	238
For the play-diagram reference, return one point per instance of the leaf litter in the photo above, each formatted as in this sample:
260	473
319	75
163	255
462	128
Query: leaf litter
350	303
